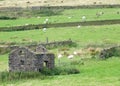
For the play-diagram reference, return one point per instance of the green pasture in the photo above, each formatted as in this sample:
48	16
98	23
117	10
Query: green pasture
85	35
93	72
68	15
3	62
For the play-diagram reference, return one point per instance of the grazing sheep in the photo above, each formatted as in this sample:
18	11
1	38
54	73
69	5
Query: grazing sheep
44	29
75	53
78	26
70	57
60	56
46	20
83	18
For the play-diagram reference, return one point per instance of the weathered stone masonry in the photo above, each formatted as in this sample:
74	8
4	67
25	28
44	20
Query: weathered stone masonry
109	52
23	59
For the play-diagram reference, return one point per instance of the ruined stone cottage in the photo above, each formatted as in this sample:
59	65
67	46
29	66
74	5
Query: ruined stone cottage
24	59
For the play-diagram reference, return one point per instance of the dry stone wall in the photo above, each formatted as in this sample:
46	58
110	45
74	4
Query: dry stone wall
109	52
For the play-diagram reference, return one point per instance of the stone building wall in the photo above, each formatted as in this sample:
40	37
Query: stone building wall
23	59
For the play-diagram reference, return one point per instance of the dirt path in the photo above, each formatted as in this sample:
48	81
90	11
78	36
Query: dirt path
26	3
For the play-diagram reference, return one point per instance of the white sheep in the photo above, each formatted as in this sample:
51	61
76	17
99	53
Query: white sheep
46	20
70	56
83	18
75	53
78	26
44	29
59	56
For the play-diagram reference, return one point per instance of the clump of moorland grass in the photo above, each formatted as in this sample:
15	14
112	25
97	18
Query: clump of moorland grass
60	71
4	50
6	76
77	62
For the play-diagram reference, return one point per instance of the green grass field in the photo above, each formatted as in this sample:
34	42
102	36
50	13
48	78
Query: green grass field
107	34
92	73
75	14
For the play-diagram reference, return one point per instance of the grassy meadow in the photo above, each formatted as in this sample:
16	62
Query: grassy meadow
68	15
85	35
93	70
92	73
